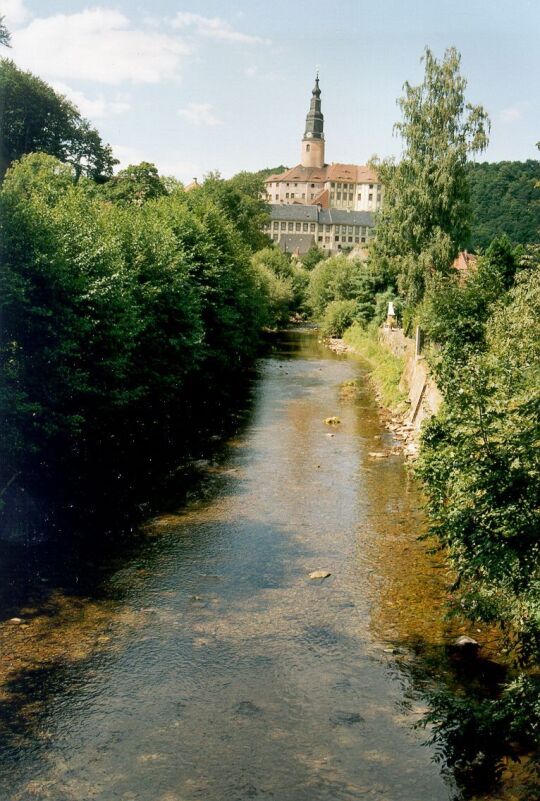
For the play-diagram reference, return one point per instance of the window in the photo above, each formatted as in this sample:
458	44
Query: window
287	184
359	196
332	195
307	148
292	194
313	187
350	196
305	227
363	239
370	196
291	226
287	194
357	239
378	197
311	196
276	226
303	194
339	195
336	238
283	226
333	186
370	186
350	239
298	226
312	226
277	197
327	228
319	238
327	239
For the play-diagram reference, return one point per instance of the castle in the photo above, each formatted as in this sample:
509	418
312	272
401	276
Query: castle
329	205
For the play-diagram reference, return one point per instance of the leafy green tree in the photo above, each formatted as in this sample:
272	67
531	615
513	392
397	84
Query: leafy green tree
338	316
505	199
35	118
336	278
425	217
313	257
135	185
480	466
5	36
239	202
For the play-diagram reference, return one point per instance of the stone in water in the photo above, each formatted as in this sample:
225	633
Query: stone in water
319	574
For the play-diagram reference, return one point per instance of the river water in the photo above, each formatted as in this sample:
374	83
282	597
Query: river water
202	662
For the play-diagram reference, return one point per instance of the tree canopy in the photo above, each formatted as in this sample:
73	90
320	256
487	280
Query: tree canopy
505	199
35	118
425	217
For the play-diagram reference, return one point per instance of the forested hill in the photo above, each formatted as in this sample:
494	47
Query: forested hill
505	199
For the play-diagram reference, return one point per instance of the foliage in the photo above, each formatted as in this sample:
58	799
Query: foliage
120	324
135	185
336	278
313	257
480	465
505	199
285	285
473	735
36	118
338	316
239	200
385	368
425	217
5	36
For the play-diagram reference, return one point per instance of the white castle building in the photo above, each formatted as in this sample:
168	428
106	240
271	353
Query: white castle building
330	205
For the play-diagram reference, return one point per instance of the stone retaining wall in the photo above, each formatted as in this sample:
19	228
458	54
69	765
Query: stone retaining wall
423	393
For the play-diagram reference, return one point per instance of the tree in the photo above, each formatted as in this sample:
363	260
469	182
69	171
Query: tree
34	118
240	201
505	199
5	36
425	217
135	185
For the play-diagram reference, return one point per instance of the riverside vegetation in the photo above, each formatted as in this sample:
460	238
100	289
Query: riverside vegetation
130	306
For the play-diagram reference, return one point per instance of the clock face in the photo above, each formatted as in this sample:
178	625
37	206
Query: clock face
309	134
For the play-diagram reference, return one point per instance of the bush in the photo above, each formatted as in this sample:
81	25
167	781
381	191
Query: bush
339	315
336	278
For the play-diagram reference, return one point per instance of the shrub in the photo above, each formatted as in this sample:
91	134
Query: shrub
339	315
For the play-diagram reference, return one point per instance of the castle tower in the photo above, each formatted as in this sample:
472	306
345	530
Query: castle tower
313	140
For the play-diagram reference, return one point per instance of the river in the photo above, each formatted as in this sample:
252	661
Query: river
202	662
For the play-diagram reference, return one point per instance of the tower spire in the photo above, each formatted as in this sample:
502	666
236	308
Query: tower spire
314	118
313	139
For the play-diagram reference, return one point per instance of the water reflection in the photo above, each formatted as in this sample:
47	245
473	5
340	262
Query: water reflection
201	662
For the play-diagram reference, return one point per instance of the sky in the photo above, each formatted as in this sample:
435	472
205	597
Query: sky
200	85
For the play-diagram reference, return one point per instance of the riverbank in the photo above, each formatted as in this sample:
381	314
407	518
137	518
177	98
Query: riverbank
405	393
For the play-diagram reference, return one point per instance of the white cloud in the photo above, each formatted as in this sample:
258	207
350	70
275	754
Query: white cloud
515	112
199	113
251	72
510	114
98	44
93	108
15	13
214	28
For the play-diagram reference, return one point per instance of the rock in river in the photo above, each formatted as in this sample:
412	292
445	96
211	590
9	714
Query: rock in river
319	574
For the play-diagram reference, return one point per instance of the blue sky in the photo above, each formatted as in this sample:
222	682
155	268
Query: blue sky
200	85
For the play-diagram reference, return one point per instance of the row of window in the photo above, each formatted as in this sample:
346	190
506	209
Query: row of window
346	186
326	240
337	229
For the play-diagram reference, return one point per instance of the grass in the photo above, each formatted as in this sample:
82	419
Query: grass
385	368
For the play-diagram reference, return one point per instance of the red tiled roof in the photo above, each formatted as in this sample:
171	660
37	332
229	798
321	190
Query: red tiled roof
353	173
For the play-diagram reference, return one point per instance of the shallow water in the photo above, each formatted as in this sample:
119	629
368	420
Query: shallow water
203	663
